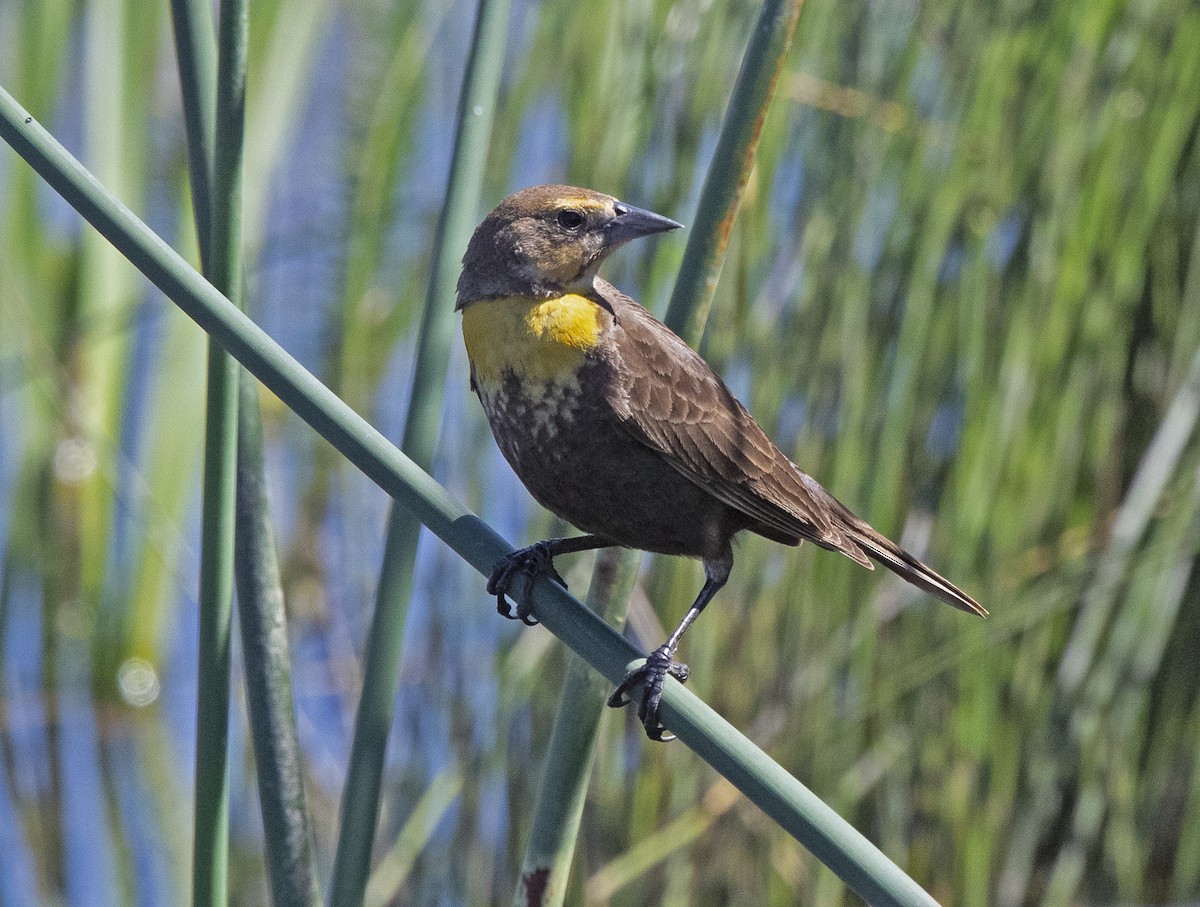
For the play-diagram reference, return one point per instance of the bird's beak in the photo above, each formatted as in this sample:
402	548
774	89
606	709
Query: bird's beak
630	223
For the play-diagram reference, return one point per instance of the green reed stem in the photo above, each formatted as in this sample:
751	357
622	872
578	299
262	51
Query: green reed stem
381	662
567	765
251	555
732	162
196	52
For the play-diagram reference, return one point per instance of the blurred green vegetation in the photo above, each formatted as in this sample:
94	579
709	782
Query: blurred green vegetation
964	291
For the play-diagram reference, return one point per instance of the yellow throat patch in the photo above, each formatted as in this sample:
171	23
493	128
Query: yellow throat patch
535	339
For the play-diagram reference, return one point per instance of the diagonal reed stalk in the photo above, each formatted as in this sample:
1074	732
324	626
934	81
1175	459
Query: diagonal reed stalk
571	753
798	811
381	662
245	551
729	172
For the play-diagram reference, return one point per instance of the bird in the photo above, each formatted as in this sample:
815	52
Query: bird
613	423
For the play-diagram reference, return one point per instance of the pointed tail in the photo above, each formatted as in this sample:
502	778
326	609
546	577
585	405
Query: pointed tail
909	568
891	555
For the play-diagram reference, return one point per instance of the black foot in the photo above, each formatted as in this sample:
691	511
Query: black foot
527	564
651	677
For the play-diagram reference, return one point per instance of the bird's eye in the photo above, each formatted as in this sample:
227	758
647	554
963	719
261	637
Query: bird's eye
569	219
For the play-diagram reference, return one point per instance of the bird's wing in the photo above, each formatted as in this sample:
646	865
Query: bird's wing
671	400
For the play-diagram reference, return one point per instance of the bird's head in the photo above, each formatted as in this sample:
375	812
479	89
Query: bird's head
549	240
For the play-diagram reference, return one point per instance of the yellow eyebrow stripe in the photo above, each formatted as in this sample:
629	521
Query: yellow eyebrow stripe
581	202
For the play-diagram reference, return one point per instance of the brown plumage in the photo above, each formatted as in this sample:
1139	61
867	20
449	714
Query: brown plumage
615	424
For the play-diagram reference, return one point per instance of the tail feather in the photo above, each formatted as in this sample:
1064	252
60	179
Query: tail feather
906	566
858	537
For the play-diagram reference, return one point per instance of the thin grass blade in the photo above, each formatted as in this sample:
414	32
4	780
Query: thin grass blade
388	878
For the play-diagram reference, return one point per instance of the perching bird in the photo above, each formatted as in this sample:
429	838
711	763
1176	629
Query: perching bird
616	425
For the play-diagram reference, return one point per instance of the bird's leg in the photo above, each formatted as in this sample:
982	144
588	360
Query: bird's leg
661	662
530	563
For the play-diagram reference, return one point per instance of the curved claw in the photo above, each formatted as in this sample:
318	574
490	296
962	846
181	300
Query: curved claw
650	676
528	564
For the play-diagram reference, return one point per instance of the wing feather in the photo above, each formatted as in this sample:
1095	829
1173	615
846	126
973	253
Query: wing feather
672	401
